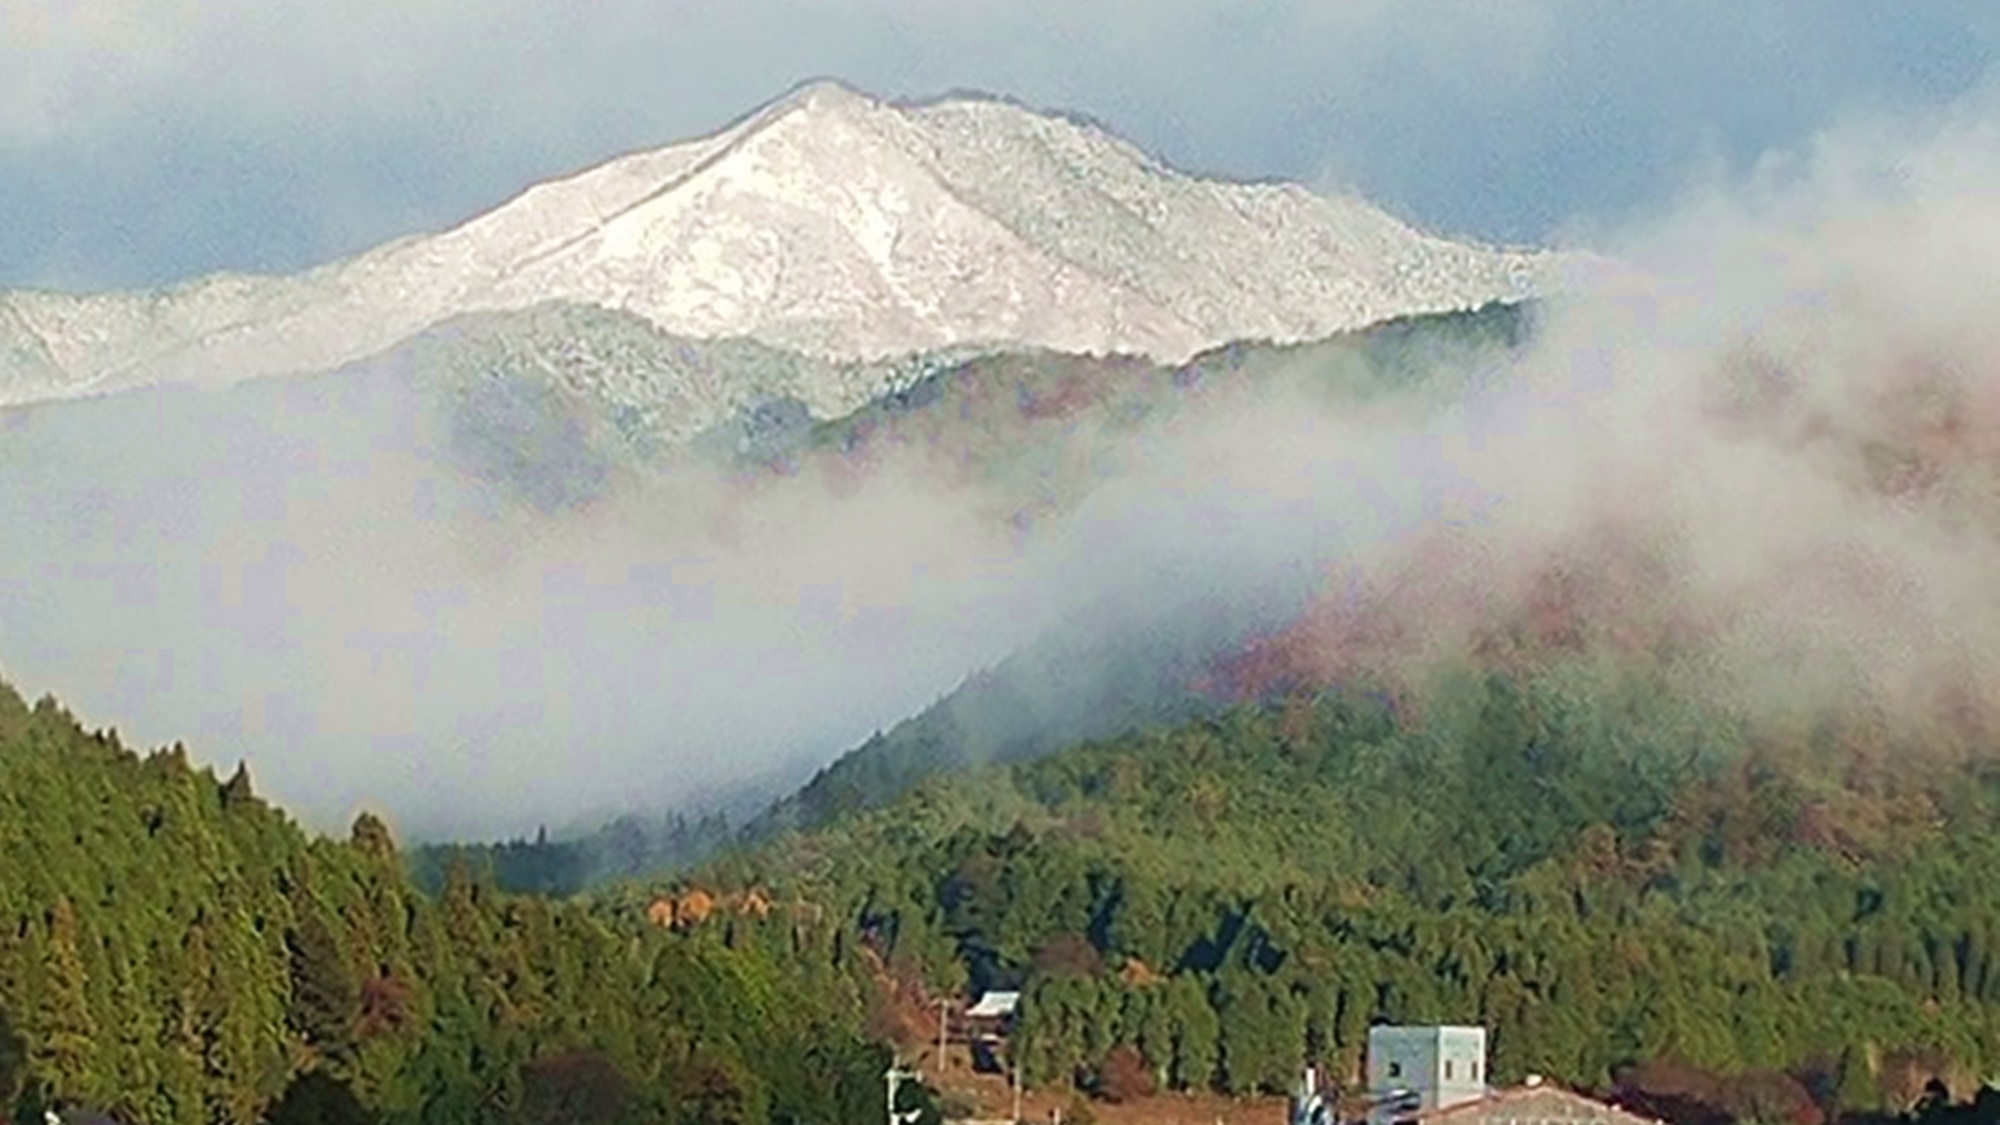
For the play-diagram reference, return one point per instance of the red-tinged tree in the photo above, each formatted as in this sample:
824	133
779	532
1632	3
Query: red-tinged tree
1124	1077
575	1088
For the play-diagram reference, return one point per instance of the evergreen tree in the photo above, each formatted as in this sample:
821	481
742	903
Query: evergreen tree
67	1028
325	997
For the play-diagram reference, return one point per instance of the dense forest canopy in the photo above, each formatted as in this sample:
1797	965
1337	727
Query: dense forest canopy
1628	886
1606	874
174	950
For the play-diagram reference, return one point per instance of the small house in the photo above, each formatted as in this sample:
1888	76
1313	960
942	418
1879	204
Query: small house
987	1024
1438	1076
1415	1070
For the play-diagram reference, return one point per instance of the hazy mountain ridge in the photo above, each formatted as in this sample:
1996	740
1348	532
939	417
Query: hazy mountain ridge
1137	663
658	388
829	223
1133	663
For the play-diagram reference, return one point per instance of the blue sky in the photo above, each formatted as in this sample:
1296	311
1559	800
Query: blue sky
143	141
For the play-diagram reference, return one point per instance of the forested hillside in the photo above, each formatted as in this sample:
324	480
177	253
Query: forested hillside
1603	873
174	950
1033	433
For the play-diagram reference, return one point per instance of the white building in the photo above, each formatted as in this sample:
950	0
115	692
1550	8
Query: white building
995	1006
1416	1070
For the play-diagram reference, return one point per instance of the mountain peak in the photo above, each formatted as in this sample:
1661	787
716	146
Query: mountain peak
822	93
828	222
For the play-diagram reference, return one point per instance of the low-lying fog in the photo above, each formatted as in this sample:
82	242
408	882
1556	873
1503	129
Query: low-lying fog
1787	402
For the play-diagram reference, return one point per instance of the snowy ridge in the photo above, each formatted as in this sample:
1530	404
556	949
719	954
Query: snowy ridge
827	223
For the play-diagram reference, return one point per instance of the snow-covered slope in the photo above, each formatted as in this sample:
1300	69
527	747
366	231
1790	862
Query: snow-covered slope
828	223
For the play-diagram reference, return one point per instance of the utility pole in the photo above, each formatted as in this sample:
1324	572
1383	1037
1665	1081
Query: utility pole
1017	1086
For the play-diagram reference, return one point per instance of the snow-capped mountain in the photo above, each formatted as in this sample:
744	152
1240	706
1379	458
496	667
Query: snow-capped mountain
829	223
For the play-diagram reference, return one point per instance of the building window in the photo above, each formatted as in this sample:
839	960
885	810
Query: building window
1447	1070
1395	1069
